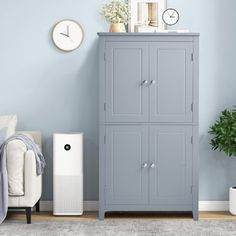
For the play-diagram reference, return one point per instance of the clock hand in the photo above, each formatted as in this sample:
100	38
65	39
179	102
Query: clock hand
168	13
172	14
68	32
71	39
64	34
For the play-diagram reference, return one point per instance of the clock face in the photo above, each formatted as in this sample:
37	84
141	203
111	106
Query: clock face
170	16
67	35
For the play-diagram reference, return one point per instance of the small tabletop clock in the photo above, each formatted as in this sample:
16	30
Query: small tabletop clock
67	35
170	16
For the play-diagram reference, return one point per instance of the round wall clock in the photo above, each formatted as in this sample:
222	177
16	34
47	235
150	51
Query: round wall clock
67	35
170	16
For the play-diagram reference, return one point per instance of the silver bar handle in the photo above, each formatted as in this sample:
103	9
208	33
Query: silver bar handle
153	82
145	165
145	82
152	165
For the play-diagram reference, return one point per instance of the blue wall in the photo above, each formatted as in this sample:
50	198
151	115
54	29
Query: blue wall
53	91
215	20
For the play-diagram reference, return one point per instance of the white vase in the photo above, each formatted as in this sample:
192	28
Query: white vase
232	200
117	27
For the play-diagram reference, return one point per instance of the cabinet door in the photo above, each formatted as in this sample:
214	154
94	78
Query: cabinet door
126	172
126	92
171	172
171	90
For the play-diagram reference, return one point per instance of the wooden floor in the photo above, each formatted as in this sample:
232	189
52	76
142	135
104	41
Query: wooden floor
47	216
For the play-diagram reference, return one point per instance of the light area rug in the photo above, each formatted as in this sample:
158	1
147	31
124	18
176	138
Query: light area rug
120	228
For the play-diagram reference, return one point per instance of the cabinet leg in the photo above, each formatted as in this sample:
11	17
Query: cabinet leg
195	209
195	215
101	215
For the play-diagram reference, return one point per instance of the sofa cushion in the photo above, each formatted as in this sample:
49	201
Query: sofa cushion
15	155
8	122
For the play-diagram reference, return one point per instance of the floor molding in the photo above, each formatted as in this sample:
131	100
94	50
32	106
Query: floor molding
93	205
213	206
88	205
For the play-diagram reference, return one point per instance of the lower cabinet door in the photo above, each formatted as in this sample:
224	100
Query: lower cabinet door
170	165
126	164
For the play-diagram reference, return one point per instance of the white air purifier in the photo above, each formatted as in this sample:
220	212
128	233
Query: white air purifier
232	200
68	174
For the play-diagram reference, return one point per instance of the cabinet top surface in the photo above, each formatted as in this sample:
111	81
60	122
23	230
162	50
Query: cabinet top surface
148	34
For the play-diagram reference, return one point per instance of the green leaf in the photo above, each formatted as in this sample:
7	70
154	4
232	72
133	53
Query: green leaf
224	133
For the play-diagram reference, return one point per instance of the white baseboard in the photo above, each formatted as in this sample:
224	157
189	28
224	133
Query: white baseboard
46	206
88	205
93	205
213	206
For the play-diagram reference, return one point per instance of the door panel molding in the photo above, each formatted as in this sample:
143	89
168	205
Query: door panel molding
171	69
126	92
126	152
171	152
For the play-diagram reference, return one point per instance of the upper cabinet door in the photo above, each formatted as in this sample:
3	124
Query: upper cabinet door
171	82
126	68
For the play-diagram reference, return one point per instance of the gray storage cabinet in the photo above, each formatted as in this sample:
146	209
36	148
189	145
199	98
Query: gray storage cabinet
148	122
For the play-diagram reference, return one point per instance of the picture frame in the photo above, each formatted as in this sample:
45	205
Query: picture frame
146	15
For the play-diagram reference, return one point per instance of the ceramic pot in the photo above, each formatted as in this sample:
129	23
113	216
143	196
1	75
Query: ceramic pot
117	27
232	200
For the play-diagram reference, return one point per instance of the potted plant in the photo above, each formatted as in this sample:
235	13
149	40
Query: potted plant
117	14
224	131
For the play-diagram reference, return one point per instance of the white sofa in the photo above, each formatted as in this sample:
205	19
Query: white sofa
32	184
